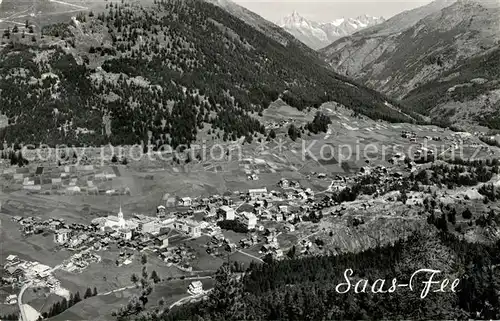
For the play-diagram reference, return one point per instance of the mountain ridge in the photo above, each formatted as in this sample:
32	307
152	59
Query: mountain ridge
320	34
398	59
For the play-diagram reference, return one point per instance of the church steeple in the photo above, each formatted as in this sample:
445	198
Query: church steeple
120	213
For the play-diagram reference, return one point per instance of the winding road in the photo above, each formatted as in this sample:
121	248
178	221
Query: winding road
26	311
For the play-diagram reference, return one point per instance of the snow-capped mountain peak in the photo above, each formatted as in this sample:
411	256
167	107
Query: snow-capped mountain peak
318	35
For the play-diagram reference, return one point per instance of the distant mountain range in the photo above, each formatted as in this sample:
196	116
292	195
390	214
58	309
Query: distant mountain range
439	58
318	35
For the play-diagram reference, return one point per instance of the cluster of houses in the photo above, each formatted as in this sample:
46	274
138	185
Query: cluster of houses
180	256
17	272
80	261
412	136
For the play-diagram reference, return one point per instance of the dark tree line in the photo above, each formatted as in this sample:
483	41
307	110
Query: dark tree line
61	306
305	288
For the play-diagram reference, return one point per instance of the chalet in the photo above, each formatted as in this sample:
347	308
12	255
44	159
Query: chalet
62	236
266	248
11	299
277	253
12	259
266	215
249	219
302	195
245	243
55	225
160	210
227	201
365	170
162	240
284	183
258	211
29	228
170	201
186	201
14	274
190	227
126	233
231	247
198	208
195	288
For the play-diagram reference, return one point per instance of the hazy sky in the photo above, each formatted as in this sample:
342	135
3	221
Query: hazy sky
328	10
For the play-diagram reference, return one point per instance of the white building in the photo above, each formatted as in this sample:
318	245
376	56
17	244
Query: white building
256	193
227	212
189	227
152	227
62	236
118	222
186	201
283	208
249	219
11	299
196	287
160	210
125	234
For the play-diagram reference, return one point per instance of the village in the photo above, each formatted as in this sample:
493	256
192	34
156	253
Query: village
271	210
259	217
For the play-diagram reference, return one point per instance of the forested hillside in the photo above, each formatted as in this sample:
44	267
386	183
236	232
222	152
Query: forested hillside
305	289
160	73
474	82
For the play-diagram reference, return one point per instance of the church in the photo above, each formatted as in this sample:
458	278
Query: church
116	223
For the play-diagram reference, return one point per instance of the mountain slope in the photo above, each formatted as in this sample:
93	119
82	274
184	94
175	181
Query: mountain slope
322	287
318	35
397	63
165	73
398	57
474	82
